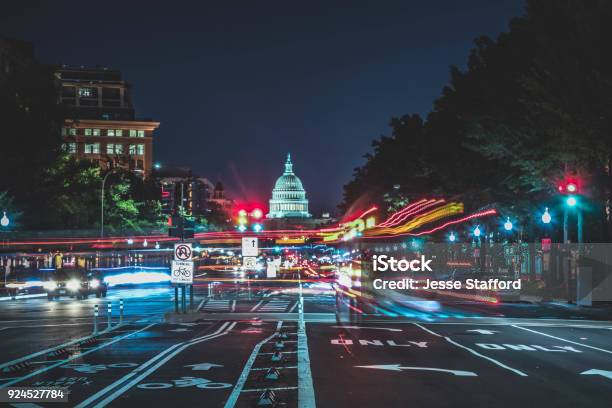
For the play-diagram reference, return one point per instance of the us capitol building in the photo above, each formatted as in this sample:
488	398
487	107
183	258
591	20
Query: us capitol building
289	205
288	196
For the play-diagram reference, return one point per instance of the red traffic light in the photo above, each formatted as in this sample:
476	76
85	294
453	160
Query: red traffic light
569	186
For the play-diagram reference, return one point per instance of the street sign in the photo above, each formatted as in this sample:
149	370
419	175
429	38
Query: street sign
249	262
183	251
250	246
182	272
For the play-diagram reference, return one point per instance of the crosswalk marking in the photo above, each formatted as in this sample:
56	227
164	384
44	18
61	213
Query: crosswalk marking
217	305
275	306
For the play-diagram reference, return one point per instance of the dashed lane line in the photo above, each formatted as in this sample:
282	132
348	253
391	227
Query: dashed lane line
474	352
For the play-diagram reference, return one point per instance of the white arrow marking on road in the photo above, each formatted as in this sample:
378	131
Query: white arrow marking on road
179	330
372	328
604	373
482	331
397	367
203	366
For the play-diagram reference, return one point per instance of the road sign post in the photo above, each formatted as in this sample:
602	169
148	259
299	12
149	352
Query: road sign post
109	309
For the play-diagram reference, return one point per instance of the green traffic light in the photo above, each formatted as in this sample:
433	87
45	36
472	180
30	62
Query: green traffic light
571	201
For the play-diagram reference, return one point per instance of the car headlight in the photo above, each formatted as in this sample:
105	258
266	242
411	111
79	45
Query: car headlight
73	284
50	285
94	283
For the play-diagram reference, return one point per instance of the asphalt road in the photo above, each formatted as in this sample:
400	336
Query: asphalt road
307	346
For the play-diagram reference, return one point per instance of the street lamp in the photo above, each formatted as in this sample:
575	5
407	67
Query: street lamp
5	220
546	218
157	166
145	243
477	231
508	224
452	237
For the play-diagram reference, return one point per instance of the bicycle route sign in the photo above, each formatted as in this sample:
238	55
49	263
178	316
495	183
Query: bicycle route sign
182	272
183	251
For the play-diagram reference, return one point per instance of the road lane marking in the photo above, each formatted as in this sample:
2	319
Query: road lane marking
74	357
398	367
603	373
51	349
271	389
238	388
293	307
200	305
256	306
474	352
562	339
306	397
181	346
100	393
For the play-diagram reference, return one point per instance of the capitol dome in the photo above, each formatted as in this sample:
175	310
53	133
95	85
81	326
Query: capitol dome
288	196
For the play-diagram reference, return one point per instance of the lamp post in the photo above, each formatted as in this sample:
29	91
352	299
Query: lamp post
102	201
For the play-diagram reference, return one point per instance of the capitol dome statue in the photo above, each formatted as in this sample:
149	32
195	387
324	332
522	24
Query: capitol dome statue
288	196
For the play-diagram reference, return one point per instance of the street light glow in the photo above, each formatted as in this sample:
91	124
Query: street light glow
477	231
5	220
257	227
546	218
452	237
508	224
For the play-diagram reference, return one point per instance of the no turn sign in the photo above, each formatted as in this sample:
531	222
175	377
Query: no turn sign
183	252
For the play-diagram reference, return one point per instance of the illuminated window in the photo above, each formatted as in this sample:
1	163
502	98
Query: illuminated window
118	132
140	149
72	132
110	132
96	132
70	147
132	133
141	133
92	148
88	132
85	92
132	149
63	131
114	148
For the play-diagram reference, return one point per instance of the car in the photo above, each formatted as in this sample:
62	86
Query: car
76	282
97	285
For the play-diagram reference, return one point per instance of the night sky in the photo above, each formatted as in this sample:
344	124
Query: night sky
237	87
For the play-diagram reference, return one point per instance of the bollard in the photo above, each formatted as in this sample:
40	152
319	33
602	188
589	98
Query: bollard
108	315
120	311
95	322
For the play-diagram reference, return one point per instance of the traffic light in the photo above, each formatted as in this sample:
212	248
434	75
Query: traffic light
569	185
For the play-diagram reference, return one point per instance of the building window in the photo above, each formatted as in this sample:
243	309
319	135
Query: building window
110	132
92	148
137	149
96	132
70	147
85	92
141	133
114	148
63	131
88	132
72	131
118	132
132	133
